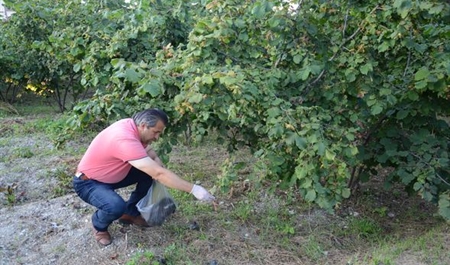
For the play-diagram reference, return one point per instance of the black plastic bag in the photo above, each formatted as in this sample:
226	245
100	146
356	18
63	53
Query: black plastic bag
157	205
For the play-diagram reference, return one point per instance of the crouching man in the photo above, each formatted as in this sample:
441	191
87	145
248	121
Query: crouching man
120	156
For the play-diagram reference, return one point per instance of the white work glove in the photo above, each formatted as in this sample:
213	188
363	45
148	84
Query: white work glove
202	194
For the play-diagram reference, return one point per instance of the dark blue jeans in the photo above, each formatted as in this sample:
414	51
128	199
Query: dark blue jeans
110	205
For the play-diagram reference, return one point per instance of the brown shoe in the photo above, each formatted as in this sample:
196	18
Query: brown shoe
102	237
134	220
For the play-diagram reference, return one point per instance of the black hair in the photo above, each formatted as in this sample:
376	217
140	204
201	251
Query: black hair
150	117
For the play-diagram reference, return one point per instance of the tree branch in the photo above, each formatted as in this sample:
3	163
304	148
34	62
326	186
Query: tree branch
345	25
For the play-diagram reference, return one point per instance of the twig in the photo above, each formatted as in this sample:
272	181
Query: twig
345	25
407	63
126	241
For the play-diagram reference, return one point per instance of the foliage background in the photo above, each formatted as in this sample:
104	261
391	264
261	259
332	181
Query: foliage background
324	93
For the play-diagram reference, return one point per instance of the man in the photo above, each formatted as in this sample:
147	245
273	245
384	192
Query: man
121	156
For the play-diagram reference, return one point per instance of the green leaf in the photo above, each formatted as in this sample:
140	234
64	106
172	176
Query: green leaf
384	46
350	74
405	177
95	81
376	109
425	5
321	148
418	186
300	142
276	160
423	73
403	7
239	165
152	87
329	155
132	76
354	150
366	68
444	206
207	79
291	136
306	184
436	9
300	173
310	195
421	84
273	112
401	114
346	193
227	80
304	73
350	136
274	22
259	10
315	68
77	67
196	98
412	95
240	23
385	91
297	59
117	63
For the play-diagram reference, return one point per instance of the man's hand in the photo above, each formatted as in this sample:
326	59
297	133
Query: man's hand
202	194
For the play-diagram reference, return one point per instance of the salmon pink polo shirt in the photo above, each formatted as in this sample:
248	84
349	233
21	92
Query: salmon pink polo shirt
106	159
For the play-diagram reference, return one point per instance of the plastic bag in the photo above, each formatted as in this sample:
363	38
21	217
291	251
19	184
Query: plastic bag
157	205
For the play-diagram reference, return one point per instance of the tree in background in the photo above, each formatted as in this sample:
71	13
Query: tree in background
324	93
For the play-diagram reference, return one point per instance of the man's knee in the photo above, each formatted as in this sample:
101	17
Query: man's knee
117	207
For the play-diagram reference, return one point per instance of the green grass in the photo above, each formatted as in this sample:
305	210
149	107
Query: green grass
427	248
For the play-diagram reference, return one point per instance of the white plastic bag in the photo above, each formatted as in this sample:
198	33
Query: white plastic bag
157	205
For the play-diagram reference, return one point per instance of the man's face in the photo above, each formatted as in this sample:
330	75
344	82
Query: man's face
150	134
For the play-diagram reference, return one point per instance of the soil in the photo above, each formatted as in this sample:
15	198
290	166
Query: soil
40	227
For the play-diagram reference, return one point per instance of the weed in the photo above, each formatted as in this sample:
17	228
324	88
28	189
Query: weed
23	152
364	228
229	174
64	178
10	192
58	192
7	108
313	248
286	229
11	198
173	253
64	182
146	257
243	211
381	211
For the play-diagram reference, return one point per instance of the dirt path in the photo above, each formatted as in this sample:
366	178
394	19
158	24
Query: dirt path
58	231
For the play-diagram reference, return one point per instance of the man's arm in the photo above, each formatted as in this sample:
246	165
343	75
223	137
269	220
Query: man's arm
170	179
152	154
161	174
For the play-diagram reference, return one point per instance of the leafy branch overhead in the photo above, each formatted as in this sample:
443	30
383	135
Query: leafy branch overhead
324	93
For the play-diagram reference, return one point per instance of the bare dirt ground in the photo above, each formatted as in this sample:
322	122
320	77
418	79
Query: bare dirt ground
39	227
